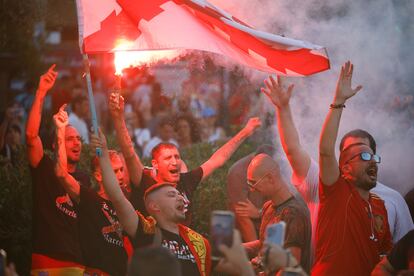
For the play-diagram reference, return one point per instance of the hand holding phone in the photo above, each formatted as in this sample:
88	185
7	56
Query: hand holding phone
221	231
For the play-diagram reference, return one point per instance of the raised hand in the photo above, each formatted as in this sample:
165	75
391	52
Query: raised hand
47	80
116	105
253	124
98	141
274	90
60	119
344	88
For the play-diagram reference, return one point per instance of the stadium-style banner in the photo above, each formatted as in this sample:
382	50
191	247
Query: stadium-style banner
111	25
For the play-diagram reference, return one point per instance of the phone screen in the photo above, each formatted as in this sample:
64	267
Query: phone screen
221	231
275	233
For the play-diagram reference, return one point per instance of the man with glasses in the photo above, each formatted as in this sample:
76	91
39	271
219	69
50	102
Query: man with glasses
305	170
245	203
263	176
352	230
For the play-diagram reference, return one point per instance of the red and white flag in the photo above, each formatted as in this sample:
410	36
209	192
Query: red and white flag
110	25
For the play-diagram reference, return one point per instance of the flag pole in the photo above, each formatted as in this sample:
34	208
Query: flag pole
91	99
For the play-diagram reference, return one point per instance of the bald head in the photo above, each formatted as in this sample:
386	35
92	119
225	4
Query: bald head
263	176
262	164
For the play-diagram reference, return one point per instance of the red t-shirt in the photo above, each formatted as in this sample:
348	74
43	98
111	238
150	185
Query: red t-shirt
351	233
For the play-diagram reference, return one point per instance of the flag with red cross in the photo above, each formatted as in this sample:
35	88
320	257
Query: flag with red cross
110	25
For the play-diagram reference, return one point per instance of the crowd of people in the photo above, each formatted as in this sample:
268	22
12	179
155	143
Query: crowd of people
339	219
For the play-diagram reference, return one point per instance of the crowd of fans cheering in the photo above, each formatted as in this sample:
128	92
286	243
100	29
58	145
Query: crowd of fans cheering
339	220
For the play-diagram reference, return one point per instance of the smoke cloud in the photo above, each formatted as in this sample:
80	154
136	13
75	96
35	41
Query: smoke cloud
377	36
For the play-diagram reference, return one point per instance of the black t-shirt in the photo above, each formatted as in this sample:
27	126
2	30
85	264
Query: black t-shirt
187	185
175	243
55	215
403	252
100	234
295	214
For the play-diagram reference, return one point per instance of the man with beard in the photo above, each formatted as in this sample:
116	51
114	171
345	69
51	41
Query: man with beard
305	170
104	249
55	235
166	160
352	230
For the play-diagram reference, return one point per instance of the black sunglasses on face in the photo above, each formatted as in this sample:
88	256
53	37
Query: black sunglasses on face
251	183
366	156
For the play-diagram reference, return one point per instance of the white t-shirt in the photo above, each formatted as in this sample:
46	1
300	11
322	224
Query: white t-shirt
399	217
80	126
142	136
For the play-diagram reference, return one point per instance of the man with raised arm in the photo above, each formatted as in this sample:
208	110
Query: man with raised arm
352	230
167	162
306	170
164	227
55	235
101	236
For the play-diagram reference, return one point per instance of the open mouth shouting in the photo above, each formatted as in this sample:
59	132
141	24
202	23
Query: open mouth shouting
372	172
174	172
75	152
181	208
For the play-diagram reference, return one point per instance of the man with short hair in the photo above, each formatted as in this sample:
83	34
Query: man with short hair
104	250
264	176
56	247
166	160
352	230
166	206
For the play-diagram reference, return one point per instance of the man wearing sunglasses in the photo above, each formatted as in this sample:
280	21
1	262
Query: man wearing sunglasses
352	230
305	170
264	176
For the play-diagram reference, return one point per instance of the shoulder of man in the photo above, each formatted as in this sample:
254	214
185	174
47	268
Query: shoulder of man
387	193
82	177
377	203
295	209
148	223
45	163
193	175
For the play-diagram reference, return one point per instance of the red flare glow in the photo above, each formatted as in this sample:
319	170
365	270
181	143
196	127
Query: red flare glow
125	58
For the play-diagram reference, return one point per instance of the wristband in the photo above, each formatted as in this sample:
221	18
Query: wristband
333	106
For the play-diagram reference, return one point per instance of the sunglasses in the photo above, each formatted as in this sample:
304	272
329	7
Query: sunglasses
252	184
366	156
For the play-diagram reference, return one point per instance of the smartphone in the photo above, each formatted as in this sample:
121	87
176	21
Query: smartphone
221	231
275	233
3	262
